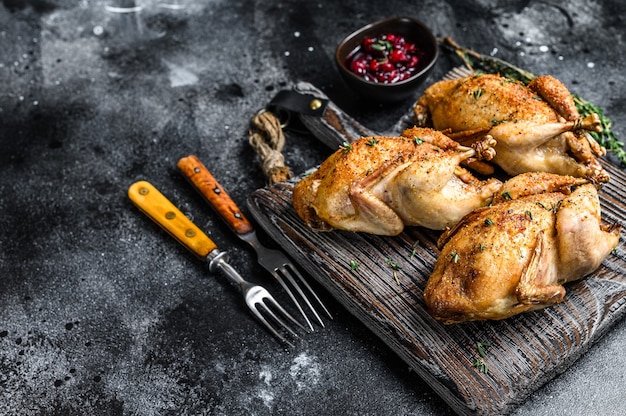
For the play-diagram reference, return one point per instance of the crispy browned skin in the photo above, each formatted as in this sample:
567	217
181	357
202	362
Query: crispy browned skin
379	185
541	231
536	127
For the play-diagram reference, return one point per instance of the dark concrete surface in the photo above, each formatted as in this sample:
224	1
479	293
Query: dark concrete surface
102	313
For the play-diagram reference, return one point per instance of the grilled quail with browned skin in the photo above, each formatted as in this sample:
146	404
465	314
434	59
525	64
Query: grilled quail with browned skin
379	185
541	231
537	127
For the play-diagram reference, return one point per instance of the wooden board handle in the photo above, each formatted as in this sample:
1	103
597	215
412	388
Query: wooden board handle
335	127
158	208
213	192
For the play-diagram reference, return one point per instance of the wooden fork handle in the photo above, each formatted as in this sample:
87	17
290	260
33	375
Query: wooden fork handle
202	179
158	208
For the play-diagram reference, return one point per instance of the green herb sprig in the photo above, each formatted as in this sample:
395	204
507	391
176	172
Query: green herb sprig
479	360
395	266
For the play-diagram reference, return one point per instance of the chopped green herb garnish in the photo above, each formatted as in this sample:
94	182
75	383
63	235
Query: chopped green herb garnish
482	348
455	256
479	361
488	221
394	264
506	196
346	147
480	364
481	246
417	140
395	267
372	142
354	265
555	207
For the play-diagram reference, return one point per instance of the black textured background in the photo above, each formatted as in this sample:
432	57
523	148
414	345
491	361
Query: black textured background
101	313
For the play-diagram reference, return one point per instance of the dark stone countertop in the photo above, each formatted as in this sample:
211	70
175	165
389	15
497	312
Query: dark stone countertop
102	313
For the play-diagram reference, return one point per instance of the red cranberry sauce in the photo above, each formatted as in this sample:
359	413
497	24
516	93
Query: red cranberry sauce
385	59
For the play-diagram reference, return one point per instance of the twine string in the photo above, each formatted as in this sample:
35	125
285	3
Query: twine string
267	139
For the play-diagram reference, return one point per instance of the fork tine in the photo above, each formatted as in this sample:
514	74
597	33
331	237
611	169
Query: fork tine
287	274
293	269
293	298
268	299
263	304
270	328
272	260
281	268
257	297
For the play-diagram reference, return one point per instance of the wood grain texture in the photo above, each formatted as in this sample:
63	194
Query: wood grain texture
336	127
526	350
204	181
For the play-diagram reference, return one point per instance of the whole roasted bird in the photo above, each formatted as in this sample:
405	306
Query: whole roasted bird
379	185
541	231
536	126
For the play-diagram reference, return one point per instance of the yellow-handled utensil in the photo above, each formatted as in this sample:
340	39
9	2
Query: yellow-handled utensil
158	208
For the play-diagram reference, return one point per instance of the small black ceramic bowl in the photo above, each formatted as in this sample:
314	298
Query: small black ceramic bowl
413	31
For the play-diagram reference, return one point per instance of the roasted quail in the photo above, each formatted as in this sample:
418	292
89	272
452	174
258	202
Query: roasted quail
541	231
537	127
379	185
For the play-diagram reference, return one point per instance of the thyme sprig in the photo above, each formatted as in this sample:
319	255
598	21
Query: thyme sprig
480	63
481	365
395	266
479	360
372	142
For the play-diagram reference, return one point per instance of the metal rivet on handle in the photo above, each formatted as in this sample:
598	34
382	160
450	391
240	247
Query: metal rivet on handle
315	104
143	191
190	233
170	215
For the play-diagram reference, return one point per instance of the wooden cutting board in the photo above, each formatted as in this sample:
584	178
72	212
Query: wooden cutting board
525	351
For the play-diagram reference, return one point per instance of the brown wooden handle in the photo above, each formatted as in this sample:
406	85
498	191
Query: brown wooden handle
158	208
212	191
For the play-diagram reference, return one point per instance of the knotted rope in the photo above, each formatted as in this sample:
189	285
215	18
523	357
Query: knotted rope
268	140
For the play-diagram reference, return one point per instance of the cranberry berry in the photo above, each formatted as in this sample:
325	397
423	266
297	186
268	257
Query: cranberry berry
385	59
